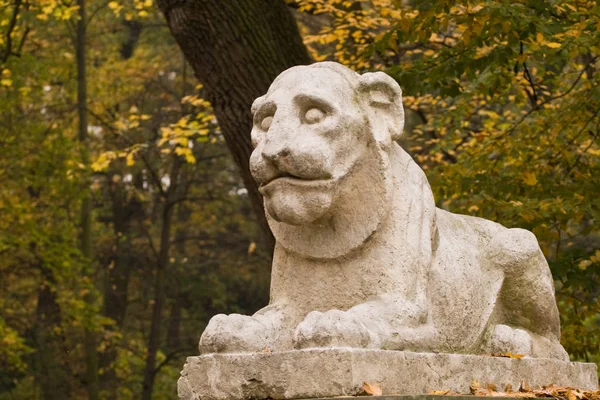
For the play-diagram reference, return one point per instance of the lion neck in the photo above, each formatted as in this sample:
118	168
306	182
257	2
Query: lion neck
380	243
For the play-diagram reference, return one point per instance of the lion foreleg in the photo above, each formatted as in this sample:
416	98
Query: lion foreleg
527	295
263	331
381	324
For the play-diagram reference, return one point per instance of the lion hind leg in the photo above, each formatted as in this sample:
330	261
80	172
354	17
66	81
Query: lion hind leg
503	339
527	296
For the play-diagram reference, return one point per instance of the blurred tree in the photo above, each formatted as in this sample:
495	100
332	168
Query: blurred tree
169	215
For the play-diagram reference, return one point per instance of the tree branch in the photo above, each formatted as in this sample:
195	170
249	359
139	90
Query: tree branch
9	30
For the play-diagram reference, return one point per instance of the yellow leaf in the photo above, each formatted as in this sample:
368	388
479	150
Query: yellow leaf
574	33
6	82
439	392
473	208
103	161
372	388
129	159
584	264
187	153
113	5
190	158
527	216
539	37
511	355
570	7
251	248
474	386
530	179
553	45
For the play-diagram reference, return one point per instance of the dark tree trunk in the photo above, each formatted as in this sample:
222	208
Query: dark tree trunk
125	208
50	362
160	282
237	48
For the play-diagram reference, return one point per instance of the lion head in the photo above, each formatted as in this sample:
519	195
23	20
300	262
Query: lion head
322	135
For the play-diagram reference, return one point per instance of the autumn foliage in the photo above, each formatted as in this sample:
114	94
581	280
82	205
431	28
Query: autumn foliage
503	114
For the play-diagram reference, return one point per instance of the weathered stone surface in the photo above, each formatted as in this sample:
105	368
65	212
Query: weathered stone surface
364	259
333	372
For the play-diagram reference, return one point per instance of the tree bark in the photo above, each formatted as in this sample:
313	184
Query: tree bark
237	48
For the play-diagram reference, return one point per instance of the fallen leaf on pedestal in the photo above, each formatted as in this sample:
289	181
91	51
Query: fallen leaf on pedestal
439	392
475	385
571	395
524	387
372	388
511	355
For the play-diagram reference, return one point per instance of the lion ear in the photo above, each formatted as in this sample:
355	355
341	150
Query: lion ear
384	98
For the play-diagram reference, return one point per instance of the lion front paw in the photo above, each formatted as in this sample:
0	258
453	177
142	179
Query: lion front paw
332	328
233	333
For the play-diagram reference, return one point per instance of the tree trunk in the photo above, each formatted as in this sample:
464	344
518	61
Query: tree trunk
160	282
237	48
117	275
86	206
50	362
125	210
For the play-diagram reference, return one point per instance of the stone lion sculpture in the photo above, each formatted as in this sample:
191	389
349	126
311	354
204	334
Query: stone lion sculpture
363	257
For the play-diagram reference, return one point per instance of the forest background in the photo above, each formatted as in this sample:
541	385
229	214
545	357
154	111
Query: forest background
127	214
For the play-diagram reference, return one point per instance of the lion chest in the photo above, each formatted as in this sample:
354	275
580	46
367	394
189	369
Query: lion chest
321	285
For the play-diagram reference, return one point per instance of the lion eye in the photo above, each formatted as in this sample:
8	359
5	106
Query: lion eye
266	123
314	115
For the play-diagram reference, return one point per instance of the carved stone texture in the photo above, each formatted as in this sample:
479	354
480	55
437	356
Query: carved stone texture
363	258
313	373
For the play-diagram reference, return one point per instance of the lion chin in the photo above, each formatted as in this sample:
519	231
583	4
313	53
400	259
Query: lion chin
296	201
363	257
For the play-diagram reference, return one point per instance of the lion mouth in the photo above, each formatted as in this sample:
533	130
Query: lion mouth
287	178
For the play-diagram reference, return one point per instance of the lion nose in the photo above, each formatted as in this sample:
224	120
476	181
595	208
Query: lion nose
275	154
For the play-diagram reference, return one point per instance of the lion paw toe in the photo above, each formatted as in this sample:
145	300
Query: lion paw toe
333	328
232	333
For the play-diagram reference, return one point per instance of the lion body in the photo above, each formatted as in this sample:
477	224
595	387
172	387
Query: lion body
363	256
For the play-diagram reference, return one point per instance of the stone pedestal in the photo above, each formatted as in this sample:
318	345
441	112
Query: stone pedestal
314	373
